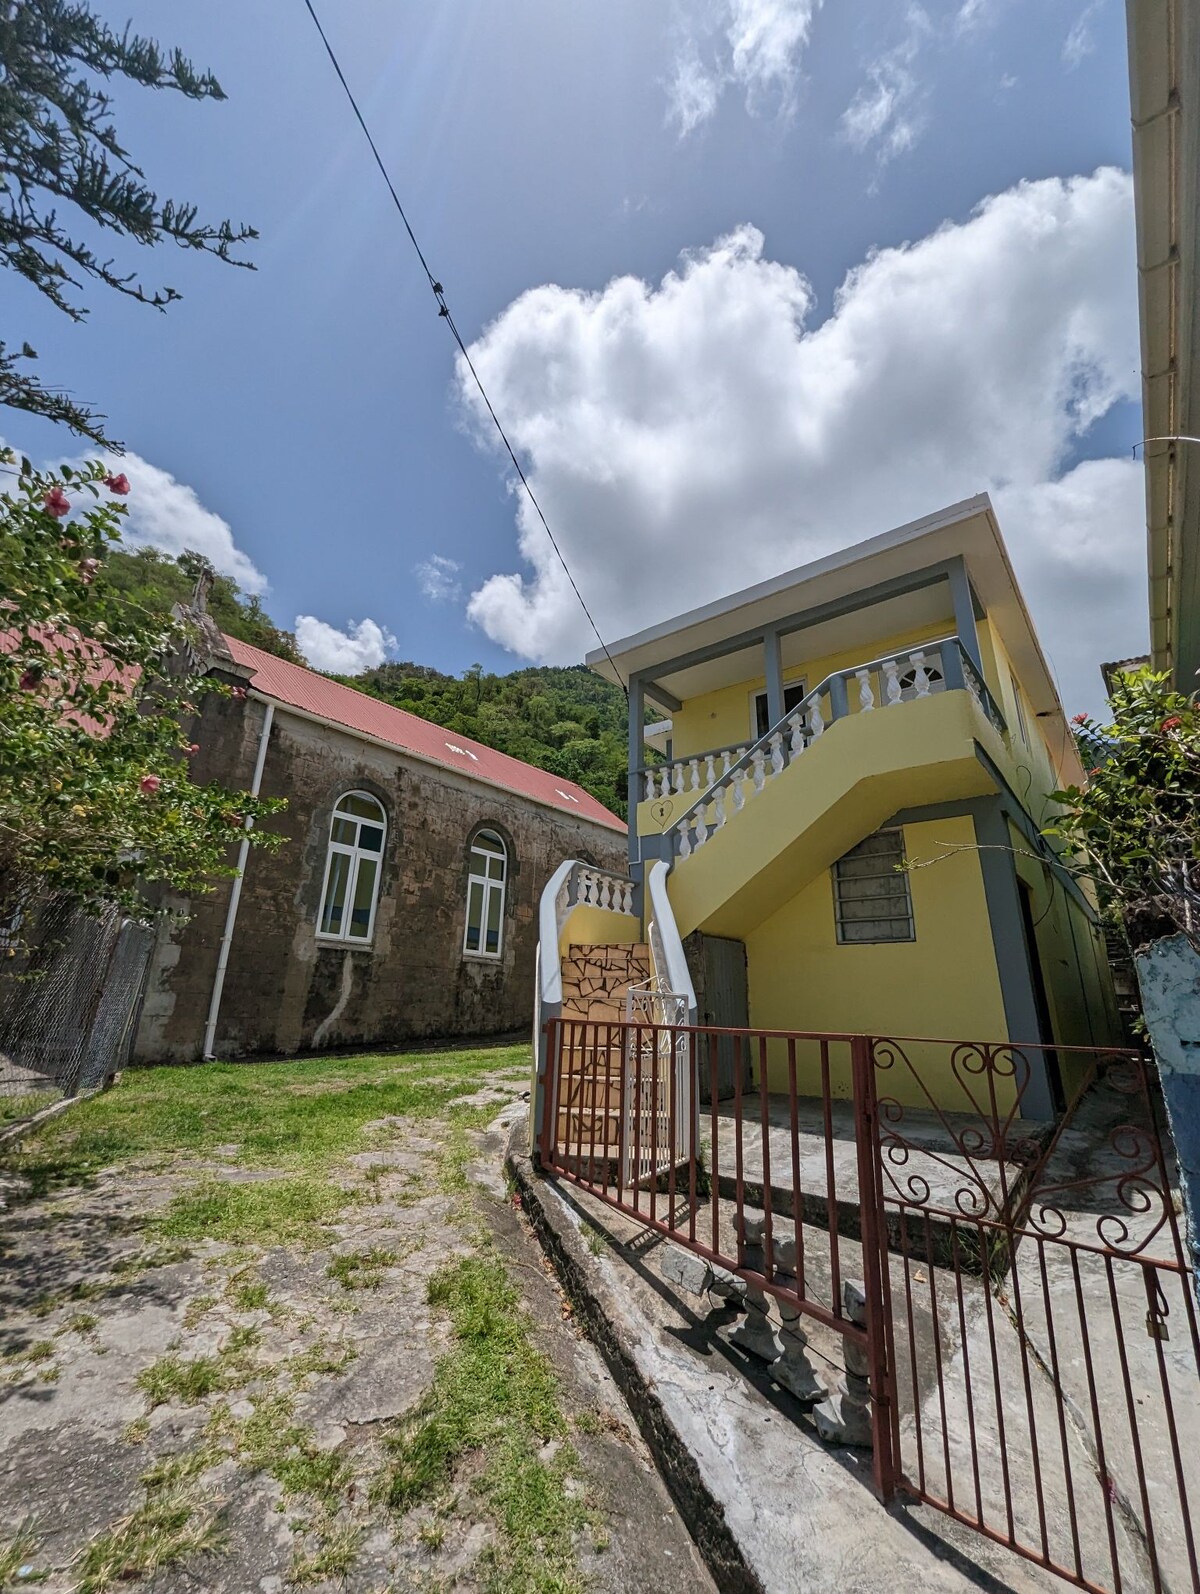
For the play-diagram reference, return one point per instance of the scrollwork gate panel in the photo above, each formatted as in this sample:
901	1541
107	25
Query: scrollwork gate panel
1041	1354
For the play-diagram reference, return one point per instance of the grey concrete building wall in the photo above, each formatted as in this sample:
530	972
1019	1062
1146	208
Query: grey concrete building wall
285	991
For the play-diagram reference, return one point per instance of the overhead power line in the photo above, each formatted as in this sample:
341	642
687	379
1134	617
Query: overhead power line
444	312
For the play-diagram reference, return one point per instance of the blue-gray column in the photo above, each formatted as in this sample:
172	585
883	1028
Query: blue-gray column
1168	974
1013	952
964	610
773	670
637	752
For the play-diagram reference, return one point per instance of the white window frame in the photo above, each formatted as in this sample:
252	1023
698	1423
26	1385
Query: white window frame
905	918
356	854
1022	725
759	695
490	887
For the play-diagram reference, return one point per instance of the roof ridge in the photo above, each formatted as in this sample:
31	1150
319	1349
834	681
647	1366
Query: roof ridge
462	745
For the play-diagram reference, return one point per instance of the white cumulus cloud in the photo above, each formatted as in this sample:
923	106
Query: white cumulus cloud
167	514
361	646
754	45
437	578
690	437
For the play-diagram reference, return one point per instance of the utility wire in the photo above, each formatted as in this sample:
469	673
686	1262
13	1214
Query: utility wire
444	313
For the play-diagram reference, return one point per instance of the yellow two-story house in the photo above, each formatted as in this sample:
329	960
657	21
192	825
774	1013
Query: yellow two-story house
839	825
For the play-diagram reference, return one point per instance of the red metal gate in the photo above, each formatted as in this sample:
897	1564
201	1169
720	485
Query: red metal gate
1031	1329
1041	1359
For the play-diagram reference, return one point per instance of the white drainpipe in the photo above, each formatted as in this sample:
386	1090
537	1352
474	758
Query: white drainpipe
235	896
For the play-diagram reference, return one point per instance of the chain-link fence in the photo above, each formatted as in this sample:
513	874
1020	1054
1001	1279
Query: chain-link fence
69	1005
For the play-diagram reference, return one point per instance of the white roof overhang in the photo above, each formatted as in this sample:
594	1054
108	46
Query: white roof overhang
1164	76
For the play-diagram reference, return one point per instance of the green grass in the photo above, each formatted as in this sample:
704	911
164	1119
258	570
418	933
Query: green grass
494	1396
271	1211
319	1358
361	1270
173	1522
270	1441
335	1555
80	1323
296	1115
15	1553
14	1108
248	1295
28	1361
189	1380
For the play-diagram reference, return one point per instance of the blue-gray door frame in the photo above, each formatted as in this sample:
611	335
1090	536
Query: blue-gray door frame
1002	892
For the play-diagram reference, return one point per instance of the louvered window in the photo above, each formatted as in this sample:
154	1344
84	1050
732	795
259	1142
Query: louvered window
870	893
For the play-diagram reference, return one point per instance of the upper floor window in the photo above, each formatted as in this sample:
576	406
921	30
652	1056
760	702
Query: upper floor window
935	681
356	837
871	898
792	694
1020	708
486	879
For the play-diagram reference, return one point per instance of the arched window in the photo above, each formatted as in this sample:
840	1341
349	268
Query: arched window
356	838
485	896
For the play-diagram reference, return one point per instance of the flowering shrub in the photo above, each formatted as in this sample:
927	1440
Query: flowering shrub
1136	824
96	799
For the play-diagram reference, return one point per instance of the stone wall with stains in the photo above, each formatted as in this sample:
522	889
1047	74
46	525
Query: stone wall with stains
287	992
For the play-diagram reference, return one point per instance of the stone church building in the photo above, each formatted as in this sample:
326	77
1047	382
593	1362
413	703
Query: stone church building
403	903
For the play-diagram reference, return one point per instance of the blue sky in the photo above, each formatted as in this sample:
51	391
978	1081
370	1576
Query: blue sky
865	259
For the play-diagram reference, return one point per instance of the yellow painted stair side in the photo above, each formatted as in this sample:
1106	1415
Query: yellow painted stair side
847	783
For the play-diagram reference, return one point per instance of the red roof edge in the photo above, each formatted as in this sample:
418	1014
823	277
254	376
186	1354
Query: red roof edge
315	695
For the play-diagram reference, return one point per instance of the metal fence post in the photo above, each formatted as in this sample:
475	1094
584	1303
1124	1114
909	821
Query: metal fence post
874	1263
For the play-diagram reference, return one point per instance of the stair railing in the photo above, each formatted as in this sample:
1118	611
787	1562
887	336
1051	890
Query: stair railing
885	682
574	883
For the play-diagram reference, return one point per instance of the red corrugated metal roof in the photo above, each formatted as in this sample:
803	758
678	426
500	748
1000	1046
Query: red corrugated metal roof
292	685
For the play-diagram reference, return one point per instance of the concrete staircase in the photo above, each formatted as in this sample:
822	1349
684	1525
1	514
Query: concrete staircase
595	980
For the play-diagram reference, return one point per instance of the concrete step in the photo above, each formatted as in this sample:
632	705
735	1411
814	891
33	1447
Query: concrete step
596	977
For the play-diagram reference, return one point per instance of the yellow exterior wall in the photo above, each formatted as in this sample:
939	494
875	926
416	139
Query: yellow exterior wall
944	984
863	770
1037	764
1074	963
726	716
588	926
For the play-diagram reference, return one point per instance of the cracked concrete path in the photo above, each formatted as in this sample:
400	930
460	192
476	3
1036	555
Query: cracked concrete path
259	1414
797	1516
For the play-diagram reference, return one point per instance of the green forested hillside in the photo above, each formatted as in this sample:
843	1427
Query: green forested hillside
568	721
157	582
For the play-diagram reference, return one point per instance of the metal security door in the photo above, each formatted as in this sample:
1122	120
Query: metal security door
726	1006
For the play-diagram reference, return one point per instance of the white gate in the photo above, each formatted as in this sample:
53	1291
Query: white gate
656	1070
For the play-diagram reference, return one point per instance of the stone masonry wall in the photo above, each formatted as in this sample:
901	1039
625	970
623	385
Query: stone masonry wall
284	991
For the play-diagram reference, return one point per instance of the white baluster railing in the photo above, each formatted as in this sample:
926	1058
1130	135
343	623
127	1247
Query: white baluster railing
744	772
593	888
891	677
758	758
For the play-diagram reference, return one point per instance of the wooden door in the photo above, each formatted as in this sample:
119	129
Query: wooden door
727	1006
